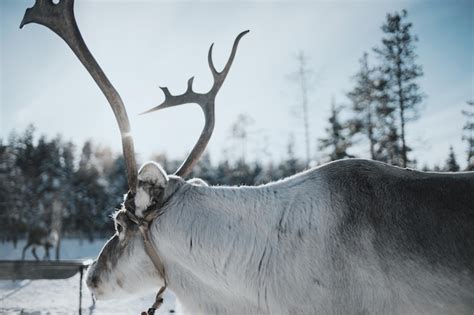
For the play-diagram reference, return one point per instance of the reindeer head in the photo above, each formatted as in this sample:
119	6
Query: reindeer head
124	264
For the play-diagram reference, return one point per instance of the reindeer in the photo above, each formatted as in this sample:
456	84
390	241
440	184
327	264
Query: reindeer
40	237
348	237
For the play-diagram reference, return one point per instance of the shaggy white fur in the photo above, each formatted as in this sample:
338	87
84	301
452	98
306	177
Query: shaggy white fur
351	237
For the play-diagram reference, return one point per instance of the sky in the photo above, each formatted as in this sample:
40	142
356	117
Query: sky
142	45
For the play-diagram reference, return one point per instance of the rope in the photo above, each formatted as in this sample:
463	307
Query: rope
144	228
158	302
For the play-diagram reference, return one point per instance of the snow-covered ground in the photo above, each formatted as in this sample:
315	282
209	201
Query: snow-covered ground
41	297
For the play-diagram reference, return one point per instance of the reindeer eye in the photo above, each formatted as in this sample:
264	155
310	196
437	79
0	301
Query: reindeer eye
119	228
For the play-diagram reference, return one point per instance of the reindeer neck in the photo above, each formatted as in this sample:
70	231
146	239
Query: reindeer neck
215	242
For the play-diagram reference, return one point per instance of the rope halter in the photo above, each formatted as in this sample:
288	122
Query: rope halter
144	228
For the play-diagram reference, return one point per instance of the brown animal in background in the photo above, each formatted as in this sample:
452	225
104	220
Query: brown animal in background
40	237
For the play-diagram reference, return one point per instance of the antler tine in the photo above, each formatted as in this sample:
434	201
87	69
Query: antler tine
60	19
219	77
205	101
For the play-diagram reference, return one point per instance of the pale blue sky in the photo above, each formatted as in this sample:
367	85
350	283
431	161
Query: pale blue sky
144	44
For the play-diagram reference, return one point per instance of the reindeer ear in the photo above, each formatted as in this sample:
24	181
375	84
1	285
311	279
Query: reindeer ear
153	174
152	181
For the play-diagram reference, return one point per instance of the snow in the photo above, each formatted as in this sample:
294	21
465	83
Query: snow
42	297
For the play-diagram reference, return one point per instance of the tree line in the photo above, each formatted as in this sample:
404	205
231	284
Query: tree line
36	172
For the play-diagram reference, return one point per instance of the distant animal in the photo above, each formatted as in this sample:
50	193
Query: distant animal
40	237
349	237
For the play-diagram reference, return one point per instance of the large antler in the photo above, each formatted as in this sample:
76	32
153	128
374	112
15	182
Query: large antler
206	101
60	19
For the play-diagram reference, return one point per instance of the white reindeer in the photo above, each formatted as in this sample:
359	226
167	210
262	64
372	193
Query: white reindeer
349	237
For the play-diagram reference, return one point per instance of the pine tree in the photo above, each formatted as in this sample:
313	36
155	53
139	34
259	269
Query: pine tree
469	135
240	135
28	174
398	64
451	163
205	170
90	195
12	203
63	204
291	165
337	140
363	104
371	110
37	178
224	172
389	149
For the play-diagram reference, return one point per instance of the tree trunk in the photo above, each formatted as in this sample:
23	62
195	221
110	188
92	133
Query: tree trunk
401	104
370	132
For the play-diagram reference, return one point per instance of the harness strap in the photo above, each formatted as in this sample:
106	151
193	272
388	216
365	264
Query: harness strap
144	228
150	249
158	302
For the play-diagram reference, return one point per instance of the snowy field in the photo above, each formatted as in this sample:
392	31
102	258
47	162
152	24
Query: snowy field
41	297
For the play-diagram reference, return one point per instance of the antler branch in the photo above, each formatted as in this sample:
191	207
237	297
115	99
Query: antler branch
60	19
205	101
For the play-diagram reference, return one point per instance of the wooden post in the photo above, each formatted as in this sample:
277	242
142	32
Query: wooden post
81	271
